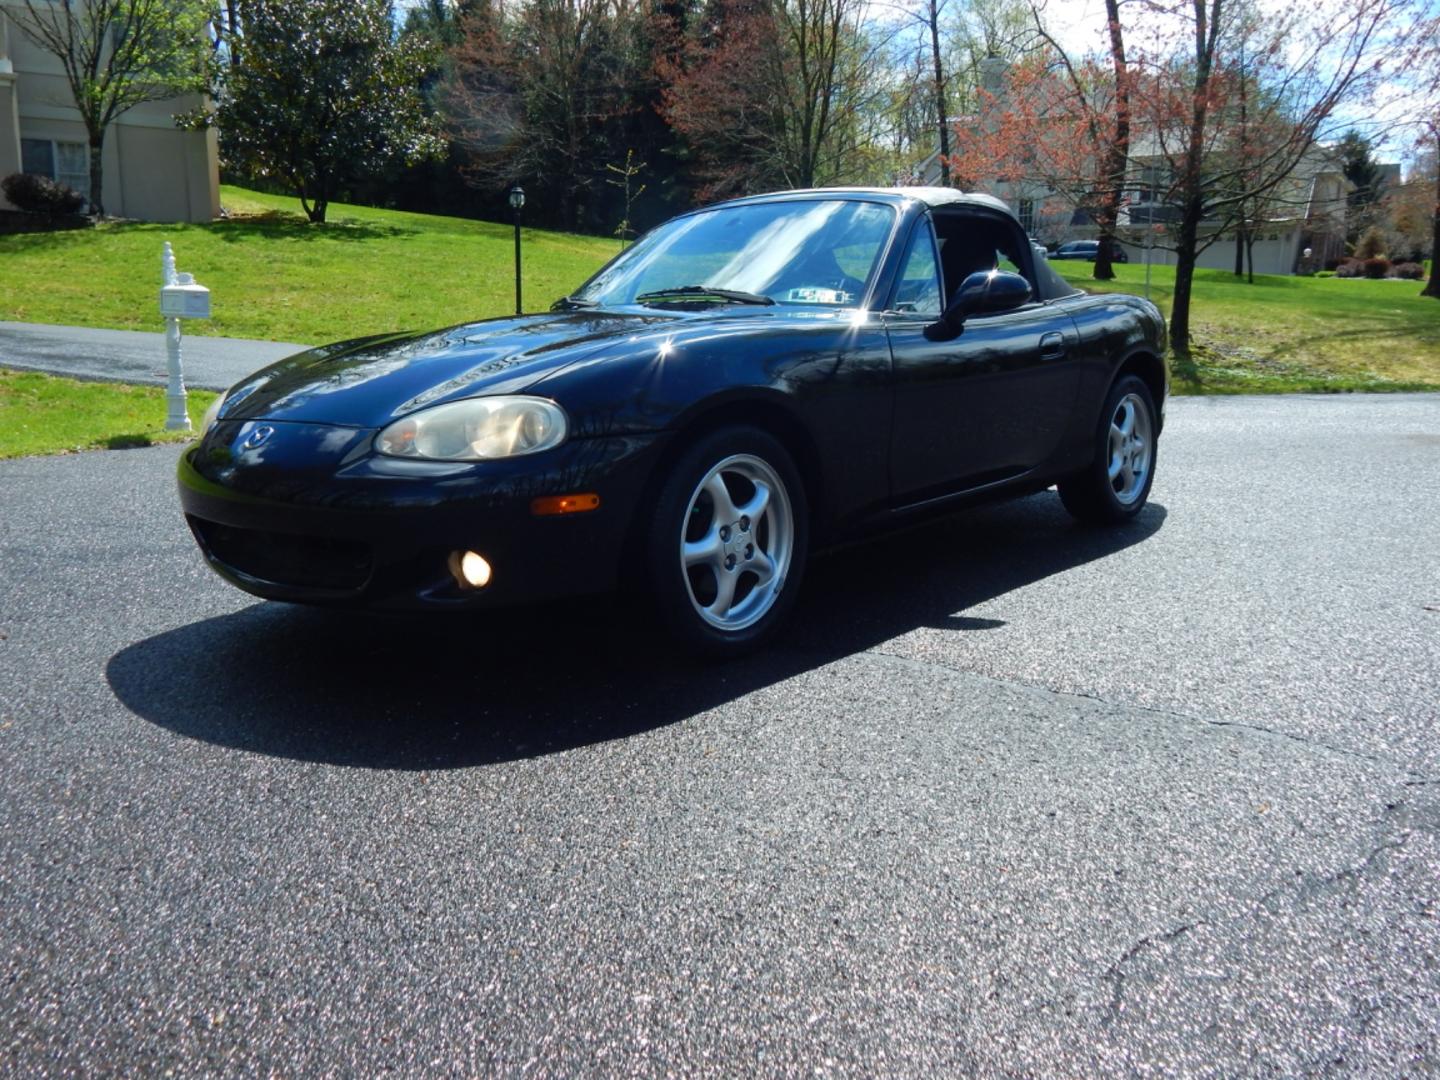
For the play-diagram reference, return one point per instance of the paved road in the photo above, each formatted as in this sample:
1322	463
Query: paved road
1014	797
210	363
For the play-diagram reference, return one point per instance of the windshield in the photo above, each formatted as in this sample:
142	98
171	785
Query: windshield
810	252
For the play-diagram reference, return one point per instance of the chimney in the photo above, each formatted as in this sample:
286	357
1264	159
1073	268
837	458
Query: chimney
992	74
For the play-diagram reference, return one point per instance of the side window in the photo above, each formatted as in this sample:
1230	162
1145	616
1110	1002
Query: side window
918	289
1009	246
973	243
967	246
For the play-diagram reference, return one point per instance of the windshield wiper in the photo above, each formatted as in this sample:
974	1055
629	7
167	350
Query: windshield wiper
572	303
704	292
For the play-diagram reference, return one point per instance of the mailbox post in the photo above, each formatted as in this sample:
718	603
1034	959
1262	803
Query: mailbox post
180	298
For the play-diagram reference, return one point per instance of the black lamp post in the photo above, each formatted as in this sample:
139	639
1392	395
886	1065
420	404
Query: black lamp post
517	203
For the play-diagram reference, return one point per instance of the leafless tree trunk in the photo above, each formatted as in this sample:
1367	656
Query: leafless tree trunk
941	109
1432	287
1117	157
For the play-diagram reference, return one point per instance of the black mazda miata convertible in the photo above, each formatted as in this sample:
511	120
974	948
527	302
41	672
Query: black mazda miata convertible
743	384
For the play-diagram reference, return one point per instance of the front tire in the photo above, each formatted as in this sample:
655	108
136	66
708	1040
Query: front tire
1116	484
727	543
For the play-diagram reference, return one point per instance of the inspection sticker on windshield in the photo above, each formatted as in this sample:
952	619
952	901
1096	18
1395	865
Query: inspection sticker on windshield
811	295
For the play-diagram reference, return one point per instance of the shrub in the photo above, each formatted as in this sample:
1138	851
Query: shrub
1371	245
41	195
1376	268
1348	268
1411	271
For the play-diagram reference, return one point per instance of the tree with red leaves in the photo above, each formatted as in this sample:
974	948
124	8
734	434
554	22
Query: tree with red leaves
1107	134
1053	126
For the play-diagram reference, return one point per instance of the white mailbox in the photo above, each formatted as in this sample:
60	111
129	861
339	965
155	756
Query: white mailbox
180	298
185	299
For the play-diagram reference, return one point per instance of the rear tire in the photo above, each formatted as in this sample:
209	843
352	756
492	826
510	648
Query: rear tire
1116	484
727	543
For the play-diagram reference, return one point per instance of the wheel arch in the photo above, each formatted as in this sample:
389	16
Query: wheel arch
1150	369
767	411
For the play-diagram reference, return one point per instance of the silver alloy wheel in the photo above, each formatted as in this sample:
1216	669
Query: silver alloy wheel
736	542
1132	449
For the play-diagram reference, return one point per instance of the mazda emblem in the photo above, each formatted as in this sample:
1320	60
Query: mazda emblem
257	438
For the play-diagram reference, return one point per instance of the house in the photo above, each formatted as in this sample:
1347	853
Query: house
1306	213
152	170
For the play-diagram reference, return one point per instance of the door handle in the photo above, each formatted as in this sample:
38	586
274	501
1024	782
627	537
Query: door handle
1052	346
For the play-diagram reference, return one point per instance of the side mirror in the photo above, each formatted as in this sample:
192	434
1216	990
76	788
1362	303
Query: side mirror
982	292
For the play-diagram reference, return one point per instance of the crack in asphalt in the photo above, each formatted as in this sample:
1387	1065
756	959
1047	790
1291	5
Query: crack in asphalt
1155	710
1307	888
1310	887
1115	973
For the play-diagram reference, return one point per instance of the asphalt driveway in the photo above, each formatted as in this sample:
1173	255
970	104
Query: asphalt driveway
1013	796
134	356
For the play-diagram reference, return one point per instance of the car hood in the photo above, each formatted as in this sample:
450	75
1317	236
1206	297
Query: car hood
368	382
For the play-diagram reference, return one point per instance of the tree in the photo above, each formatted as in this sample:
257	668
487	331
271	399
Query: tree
117	54
1051	128
1107	132
1427	62
1363	172
1410	207
627	173
1432	287
1056	123
438	20
1307	62
942	110
938	51
1252	153
546	92
323	94
776	93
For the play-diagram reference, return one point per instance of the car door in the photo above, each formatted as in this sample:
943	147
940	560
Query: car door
990	404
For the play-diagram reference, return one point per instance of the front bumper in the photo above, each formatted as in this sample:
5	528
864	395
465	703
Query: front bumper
314	516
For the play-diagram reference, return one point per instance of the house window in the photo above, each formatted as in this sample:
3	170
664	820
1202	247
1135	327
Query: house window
1154	179
1027	215
67	162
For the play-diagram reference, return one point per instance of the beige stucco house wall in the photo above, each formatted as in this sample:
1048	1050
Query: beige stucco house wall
152	170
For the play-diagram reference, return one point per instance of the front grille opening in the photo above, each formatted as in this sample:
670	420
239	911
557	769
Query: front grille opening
311	562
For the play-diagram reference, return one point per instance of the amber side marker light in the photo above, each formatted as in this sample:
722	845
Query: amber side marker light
550	505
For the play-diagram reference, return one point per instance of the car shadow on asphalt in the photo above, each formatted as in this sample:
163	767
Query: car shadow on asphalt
436	693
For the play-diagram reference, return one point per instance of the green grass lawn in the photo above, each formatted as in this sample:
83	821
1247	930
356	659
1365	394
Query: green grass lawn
274	275
42	414
1293	333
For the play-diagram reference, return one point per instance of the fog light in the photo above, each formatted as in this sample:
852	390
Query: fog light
471	569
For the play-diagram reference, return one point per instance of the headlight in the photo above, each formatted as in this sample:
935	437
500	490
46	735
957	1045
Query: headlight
476	429
212	413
